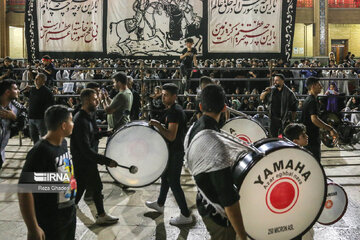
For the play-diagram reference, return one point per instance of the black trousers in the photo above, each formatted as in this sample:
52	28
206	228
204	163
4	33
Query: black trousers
171	179
90	180
186	73
314	147
275	127
59	226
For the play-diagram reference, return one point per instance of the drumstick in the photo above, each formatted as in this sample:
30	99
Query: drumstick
132	169
237	112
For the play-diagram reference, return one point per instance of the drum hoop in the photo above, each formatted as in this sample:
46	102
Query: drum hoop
129	125
345	208
255	161
255	156
249	118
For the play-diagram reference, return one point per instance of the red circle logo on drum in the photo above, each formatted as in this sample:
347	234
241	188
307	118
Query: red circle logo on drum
329	204
282	195
244	138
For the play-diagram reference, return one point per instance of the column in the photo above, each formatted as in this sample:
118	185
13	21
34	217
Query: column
3	32
321	28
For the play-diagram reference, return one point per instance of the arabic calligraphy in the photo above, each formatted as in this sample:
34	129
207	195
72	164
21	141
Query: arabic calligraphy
73	7
53	31
244	6
256	33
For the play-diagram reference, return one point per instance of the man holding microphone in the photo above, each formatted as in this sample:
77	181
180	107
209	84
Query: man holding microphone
281	101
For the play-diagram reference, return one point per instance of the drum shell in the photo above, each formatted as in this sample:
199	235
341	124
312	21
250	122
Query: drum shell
126	171
244	166
250	136
331	183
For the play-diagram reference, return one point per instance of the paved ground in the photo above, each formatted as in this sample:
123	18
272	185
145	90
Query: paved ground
136	222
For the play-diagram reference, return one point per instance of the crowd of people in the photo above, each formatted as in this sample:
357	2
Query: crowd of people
62	81
47	94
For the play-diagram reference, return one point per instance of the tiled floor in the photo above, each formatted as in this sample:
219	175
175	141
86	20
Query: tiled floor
137	222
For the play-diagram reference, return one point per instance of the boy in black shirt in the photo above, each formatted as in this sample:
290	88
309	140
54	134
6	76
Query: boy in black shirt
48	70
311	120
174	133
50	215
296	132
217	199
188	60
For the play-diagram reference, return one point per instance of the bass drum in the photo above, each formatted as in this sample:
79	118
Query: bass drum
335	206
246	129
137	144
282	190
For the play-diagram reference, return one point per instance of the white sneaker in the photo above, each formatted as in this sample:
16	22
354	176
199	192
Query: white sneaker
154	205
107	219
181	220
186	93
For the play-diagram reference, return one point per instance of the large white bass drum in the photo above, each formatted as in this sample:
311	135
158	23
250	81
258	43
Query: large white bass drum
141	146
245	129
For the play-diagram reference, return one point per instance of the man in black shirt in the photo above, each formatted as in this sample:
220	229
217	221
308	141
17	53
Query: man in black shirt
281	101
48	70
188	60
83	149
6	72
40	98
174	133
50	215
217	199
310	118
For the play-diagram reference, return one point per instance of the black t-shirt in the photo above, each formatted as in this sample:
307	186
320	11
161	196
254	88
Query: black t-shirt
135	108
188	60
310	107
4	69
52	76
83	145
45	157
39	100
157	108
175	114
276	103
218	185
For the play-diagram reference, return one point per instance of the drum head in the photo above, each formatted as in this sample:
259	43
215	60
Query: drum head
282	194
245	129
335	205
141	146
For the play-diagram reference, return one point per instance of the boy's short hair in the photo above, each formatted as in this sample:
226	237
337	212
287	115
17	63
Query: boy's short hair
86	94
6	85
55	116
206	80
120	77
294	130
171	88
189	40
212	98
311	81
